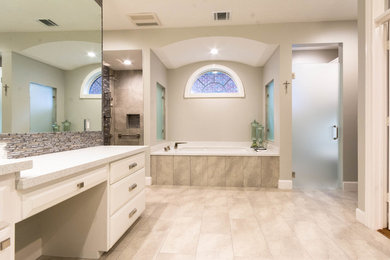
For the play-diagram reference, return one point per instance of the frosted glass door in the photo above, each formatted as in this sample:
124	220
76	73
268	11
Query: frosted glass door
42	114
160	113
270	111
315	101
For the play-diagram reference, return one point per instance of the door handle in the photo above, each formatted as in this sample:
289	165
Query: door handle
336	132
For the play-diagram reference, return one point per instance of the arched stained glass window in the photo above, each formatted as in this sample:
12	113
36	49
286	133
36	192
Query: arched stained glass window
96	86
214	81
92	85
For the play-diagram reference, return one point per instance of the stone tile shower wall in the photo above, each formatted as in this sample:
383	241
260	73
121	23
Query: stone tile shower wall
32	144
221	171
106	105
126	91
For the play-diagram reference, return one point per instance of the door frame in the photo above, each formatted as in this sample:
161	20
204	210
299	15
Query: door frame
375	90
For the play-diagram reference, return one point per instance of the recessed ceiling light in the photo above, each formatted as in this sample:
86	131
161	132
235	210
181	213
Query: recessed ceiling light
91	54
127	62
214	51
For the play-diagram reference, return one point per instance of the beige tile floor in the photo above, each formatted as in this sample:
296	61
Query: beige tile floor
248	224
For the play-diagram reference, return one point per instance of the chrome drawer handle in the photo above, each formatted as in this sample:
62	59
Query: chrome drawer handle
132	213
80	185
131	166
132	187
4	244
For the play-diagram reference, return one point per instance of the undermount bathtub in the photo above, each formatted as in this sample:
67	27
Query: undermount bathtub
224	164
214	149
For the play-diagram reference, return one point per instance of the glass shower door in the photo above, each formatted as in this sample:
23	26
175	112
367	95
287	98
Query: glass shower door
160	112
315	101
42	108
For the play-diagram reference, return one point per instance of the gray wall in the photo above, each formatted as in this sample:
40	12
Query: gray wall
221	119
271	72
77	109
285	35
158	74
24	71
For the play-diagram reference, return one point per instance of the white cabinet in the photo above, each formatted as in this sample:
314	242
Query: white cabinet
5	243
125	189
126	216
43	198
125	167
73	222
126	196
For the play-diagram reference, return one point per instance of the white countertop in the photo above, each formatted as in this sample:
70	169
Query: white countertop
214	149
50	167
8	166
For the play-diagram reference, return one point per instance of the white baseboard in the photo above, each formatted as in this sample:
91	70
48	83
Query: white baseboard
148	180
285	184
350	185
361	216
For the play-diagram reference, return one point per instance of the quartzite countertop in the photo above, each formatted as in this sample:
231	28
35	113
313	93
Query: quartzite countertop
8	166
54	166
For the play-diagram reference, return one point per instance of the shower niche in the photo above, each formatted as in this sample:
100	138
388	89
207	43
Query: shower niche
133	121
124	117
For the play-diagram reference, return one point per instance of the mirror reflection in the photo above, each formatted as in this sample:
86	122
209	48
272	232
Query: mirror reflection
50	66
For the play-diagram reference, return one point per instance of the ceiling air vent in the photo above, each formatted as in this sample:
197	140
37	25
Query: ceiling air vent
144	19
221	16
47	22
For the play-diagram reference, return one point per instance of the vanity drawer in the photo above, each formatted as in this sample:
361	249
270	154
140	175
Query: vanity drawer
125	189
41	199
2	202
5	243
126	216
125	167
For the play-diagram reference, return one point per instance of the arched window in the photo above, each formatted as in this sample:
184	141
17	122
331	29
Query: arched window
92	85
213	81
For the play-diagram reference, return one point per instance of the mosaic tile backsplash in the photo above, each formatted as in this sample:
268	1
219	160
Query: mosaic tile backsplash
15	146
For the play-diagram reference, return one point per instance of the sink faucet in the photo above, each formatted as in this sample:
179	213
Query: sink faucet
177	144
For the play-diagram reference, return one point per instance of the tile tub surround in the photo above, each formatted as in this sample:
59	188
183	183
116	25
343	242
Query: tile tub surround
33	144
221	171
246	223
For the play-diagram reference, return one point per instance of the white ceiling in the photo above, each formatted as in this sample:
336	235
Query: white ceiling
70	15
66	55
195	13
241	50
114	59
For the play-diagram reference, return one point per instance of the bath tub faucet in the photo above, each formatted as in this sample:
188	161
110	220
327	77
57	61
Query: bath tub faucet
177	144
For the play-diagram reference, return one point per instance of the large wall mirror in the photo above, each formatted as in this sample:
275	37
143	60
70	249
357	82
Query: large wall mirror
50	66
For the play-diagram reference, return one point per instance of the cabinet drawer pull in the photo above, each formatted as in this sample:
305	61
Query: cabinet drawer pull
131	166
4	244
132	213
80	185
132	187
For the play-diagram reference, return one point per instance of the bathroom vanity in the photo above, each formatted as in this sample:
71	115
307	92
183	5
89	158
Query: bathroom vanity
71	204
